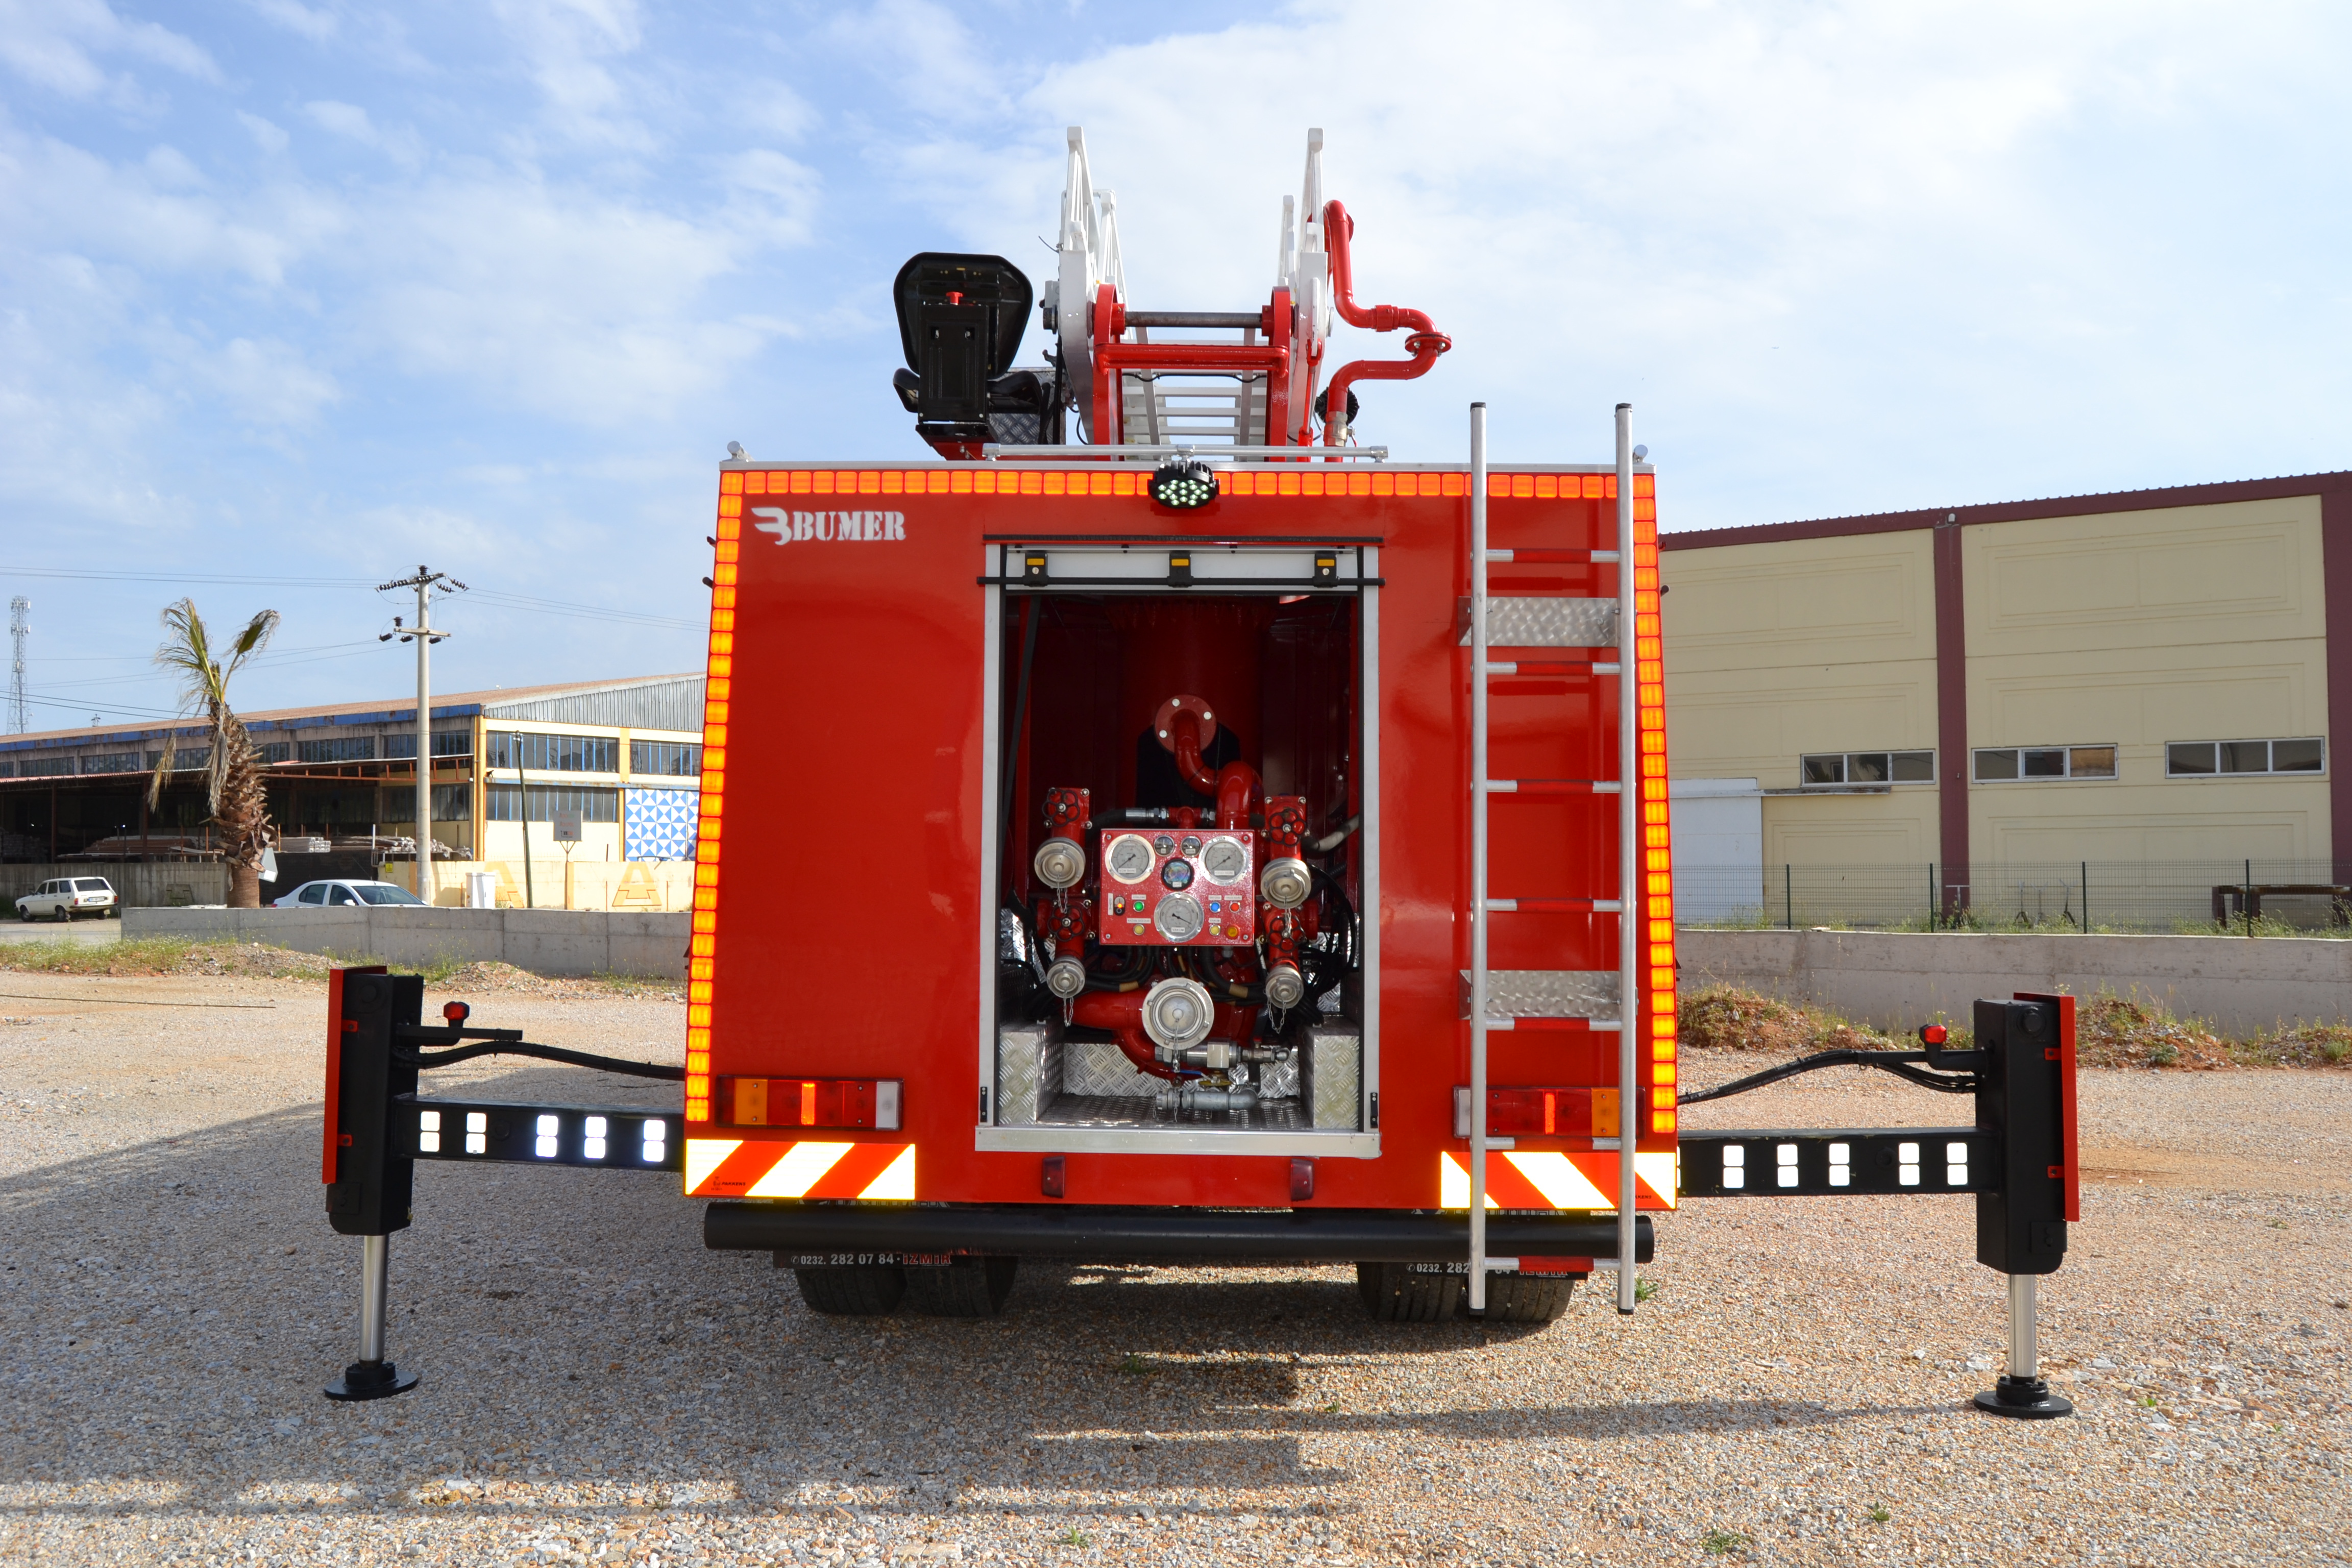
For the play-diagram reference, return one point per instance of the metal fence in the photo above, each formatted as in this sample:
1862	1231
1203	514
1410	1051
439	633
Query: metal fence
2081	895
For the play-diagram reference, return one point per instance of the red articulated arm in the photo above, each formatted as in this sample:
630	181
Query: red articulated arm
1425	344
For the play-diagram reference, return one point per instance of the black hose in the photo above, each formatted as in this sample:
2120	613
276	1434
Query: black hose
542	1053
1899	1063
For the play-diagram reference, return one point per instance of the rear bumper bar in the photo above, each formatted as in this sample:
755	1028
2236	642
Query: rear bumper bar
1102	1234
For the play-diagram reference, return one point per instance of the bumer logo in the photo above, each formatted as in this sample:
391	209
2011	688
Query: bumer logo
831	527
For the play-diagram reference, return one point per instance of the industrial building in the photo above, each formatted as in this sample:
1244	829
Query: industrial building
1982	706
624	755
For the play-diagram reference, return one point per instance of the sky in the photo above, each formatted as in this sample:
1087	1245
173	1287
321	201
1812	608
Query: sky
296	296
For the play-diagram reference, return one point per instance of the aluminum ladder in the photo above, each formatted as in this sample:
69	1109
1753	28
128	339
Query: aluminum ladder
1626	905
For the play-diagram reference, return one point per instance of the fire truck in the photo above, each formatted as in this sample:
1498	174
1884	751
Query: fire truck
1161	825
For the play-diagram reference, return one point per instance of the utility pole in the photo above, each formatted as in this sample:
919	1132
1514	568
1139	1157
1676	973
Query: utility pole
20	627
423	635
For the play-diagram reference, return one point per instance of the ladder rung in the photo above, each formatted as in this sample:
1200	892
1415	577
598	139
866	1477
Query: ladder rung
1557	906
1553	786
1553	557
1608	1025
1553	666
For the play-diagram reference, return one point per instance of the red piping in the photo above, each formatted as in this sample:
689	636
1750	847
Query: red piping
1425	344
1121	1012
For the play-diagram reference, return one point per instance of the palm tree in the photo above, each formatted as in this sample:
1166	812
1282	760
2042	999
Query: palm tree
233	791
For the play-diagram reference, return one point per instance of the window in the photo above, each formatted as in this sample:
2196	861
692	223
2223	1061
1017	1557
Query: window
679	759
92	885
277	752
546	800
395	804
2002	764
44	767
2203	759
1866	768
316	893
554	754
385	893
445	743
185	759
111	763
339	894
342	749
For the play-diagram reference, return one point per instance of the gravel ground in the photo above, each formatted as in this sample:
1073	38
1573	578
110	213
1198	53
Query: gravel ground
598	1388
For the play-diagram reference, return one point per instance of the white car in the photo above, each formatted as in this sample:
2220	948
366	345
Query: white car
66	897
328	894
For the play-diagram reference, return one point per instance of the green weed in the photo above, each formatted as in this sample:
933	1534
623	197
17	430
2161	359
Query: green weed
1721	1543
1073	1537
1880	1513
1645	1288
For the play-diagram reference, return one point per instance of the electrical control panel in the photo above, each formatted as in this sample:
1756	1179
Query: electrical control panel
1177	886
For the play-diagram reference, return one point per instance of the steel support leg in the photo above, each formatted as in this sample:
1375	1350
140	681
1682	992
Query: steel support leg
372	1376
2022	1392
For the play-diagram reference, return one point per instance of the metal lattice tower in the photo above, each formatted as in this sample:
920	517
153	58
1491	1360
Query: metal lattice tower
20	627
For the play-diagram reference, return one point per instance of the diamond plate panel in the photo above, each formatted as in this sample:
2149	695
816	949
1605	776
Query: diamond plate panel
1547	993
1332	1068
1547	623
1098	1068
1279	1080
1028	1071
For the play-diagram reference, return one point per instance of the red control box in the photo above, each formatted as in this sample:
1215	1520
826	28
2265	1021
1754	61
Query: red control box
1177	886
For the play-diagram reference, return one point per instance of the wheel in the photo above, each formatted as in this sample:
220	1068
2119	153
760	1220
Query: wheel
1528	1298
966	1288
65	915
1408	1292
852	1290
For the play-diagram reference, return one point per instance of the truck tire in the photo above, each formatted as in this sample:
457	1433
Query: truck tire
1527	1298
966	1288
852	1290
1403	1293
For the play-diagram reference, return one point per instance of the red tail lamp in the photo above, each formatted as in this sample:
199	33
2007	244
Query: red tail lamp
811	1102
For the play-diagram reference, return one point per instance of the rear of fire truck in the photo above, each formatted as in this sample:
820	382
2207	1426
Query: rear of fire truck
1096	819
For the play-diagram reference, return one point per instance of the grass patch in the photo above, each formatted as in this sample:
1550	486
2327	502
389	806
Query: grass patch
2110	1031
1645	1288
1719	1542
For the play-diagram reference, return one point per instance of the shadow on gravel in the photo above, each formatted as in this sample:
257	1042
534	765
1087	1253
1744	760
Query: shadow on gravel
169	1312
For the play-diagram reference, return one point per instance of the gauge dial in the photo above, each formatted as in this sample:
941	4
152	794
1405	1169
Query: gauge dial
1164	843
1178	916
1226	861
1130	858
1177	874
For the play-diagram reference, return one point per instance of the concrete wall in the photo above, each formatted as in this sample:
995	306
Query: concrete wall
1899	980
135	882
545	941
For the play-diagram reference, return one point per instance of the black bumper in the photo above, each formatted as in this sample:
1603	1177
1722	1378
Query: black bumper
1106	1233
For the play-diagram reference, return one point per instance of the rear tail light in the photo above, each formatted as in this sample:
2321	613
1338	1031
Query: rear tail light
810	1102
1541	1112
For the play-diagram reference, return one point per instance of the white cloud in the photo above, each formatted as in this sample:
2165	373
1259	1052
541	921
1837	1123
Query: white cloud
317	25
565	44
267	136
53	44
350	121
269	383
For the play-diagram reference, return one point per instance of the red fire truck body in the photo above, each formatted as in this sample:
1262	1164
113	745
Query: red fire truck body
868	626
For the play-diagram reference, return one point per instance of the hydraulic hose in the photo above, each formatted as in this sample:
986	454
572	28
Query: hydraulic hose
457	1054
1899	1063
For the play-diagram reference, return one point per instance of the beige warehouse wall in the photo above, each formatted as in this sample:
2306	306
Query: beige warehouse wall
1897	828
2136	629
1774	650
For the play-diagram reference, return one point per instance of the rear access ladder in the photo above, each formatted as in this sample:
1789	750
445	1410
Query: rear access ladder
1626	905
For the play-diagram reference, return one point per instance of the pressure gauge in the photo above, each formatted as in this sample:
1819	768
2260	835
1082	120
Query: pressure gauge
1130	858
1164	843
1226	861
1178	916
1176	875
1191	844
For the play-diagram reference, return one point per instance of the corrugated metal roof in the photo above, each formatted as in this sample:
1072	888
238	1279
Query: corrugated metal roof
674	702
661	702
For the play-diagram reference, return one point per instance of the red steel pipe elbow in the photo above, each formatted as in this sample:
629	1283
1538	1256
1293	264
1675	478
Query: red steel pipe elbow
1425	344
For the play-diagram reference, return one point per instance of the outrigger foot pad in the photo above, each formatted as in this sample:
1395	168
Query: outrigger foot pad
2024	1399
370	1380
